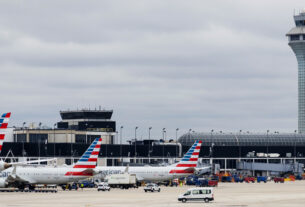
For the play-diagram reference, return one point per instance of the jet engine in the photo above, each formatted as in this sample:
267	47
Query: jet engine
3	183
4	165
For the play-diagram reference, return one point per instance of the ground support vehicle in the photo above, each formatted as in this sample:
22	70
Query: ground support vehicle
262	179
70	186
192	180
43	189
152	187
197	194
213	183
238	179
278	180
226	179
103	187
249	179
206	183
123	181
9	190
87	184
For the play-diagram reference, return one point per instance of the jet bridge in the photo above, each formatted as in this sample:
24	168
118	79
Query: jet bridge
296	168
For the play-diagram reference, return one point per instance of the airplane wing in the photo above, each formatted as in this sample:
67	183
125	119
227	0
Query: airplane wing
139	178
20	179
203	170
13	177
30	162
8	165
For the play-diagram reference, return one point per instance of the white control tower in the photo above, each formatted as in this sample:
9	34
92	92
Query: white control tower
296	37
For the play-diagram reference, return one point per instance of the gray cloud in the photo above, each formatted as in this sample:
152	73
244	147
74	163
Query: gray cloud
222	65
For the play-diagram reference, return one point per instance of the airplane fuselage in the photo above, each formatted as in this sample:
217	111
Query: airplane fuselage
45	175
146	173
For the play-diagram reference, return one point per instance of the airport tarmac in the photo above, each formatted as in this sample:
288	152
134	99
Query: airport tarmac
226	194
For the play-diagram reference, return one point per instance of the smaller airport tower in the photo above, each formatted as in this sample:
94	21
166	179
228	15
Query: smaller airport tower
296	37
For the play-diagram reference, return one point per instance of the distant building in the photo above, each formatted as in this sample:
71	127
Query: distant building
87	120
80	126
296	37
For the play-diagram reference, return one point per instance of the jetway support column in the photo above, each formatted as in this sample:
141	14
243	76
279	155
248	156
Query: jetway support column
225	165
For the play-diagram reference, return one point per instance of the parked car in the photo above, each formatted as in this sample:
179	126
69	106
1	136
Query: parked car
152	187
197	194
103	187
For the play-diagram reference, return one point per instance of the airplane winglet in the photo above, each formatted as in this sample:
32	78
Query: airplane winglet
126	169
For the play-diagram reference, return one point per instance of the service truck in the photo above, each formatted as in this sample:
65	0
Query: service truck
123	181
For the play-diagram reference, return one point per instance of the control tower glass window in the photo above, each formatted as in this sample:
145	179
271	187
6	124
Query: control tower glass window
294	37
300	23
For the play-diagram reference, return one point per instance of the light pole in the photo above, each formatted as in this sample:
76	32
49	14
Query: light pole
163	132
176	142
211	148
23	139
295	145
267	149
71	148
121	132
87	134
149	143
135	142
39	138
212	143
54	140
267	142
239	147
190	136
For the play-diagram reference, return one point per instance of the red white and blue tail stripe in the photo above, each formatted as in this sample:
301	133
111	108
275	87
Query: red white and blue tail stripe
190	159
89	158
4	120
3	125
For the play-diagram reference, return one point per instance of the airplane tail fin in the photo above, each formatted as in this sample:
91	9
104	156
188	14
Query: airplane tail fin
89	158
190	159
3	125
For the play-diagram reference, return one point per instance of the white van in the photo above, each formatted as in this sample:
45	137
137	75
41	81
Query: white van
197	194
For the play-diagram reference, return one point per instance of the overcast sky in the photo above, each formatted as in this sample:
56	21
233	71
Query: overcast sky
222	65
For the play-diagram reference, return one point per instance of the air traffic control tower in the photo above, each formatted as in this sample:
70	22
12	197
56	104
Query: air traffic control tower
296	37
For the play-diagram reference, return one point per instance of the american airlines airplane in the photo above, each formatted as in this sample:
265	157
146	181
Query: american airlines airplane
19	176
185	167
